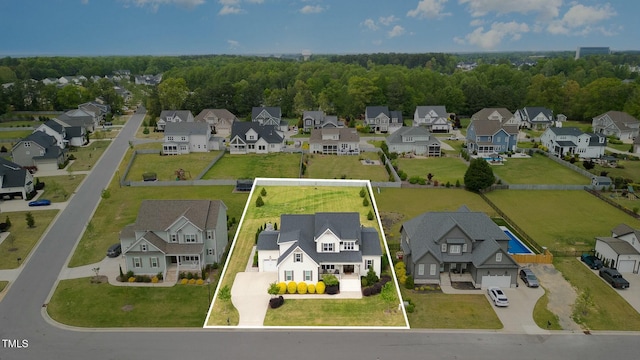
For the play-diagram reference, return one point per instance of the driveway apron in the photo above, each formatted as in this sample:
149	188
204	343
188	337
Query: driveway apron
249	295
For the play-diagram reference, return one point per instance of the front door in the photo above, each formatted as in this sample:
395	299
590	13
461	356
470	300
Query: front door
347	269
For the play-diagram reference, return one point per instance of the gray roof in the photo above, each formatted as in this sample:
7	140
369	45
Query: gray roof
491	127
158	215
55	126
344	135
425	231
182	114
530	112
620	246
484	114
373	111
396	137
441	110
41	138
13	175
621	119
219	113
623	229
273	111
186	128
267	132
568	131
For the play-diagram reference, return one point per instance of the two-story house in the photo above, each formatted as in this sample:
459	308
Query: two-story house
503	115
334	141
309	245
621	250
187	137
56	130
435	118
170	236
251	137
537	118
319	120
413	140
79	117
462	241
269	115
381	120
39	150
15	180
173	116
571	140
220	120
486	137
616	123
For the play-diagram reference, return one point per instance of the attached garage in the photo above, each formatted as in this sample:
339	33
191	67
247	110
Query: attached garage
626	266
496	280
270	265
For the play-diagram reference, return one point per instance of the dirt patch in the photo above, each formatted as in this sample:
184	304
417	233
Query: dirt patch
127	308
561	294
389	219
463	285
99	279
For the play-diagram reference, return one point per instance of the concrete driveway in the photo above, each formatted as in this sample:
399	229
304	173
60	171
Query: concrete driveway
518	316
249	295
632	294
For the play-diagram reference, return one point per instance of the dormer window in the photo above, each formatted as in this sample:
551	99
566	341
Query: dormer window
349	245
297	257
327	247
143	247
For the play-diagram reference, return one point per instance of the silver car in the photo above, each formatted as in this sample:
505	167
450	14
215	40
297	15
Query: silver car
529	278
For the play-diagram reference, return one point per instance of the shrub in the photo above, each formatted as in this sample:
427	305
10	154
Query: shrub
372	278
311	289
263	192
409	282
376	289
199	282
366	291
192	281
129	274
189	276
363	192
320	286
132	279
370	215
275	303
184	281
282	288
401	272
292	287
363	282
302	287
154	280
330	280
410	308
365	202
259	201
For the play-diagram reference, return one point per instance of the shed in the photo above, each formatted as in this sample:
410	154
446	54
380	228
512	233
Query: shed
618	254
244	185
600	181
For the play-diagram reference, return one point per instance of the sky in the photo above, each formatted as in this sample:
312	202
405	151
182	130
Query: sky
273	27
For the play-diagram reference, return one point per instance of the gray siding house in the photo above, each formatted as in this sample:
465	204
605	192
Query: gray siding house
463	242
173	116
38	149
220	120
187	137
616	123
382	120
14	180
334	141
413	140
269	115
171	236
319	120
251	137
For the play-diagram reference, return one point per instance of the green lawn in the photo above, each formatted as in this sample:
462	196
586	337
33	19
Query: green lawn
561	220
630	170
166	166
544	318
537	170
87	156
583	126
121	209
293	200
22	238
20	123
620	147
345	167
17	134
3	284
249	166
599	306
78	302
443	169
59	188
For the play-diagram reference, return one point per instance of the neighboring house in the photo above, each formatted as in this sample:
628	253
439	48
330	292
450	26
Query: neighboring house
173	116
504	116
413	139
461	242
14	180
309	245
491	137
56	130
150	80
621	250
571	140
220	120
332	141
616	123
601	181
73	135
186	137
272	115
537	118
435	118
170	236
79	117
381	120
39	150
319	120
251	137
98	110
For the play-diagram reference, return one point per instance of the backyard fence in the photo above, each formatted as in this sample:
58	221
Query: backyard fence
544	258
610	202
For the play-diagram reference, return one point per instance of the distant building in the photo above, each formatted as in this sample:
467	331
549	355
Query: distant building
586	51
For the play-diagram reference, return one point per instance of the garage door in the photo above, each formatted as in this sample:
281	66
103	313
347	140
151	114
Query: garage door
626	266
270	265
496	280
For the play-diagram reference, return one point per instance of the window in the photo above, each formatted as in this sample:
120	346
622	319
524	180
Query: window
183	138
369	263
209	234
349	245
443	248
307	275
464	247
153	262
174	238
210	252
137	263
27	144
328	267
432	269
498	257
454	249
169	138
288	275
190	238
420	269
143	247
327	247
297	257
262	147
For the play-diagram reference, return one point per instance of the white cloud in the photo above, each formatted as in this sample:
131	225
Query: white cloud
84	2
387	20
229	9
370	24
233	44
544	9
396	31
491	38
312	9
579	19
476	22
155	4
229	2
429	9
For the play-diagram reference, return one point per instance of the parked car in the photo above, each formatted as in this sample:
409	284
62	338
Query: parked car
529	278
452	137
592	261
114	250
40	202
498	296
613	277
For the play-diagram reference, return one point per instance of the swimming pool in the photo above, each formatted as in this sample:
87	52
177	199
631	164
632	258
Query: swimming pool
515	245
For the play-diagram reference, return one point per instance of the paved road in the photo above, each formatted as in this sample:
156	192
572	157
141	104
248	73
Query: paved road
21	317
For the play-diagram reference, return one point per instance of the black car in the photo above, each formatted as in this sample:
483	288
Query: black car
529	278
114	250
592	261
613	277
